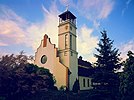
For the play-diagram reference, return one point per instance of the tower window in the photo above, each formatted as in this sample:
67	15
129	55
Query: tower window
70	41
84	83
65	41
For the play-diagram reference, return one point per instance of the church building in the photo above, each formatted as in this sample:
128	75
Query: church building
63	62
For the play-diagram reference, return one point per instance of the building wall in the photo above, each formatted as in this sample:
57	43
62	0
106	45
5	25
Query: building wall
61	74
85	85
58	70
73	68
49	52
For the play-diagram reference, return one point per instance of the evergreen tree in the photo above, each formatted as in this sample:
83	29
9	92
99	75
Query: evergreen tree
76	86
108	57
127	78
107	63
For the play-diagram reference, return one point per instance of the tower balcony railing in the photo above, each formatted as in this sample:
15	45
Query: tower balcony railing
73	21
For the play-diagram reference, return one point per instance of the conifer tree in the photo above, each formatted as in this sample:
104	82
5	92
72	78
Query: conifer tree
127	78
107	62
108	57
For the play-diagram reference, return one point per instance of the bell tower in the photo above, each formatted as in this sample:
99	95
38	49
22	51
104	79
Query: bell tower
67	45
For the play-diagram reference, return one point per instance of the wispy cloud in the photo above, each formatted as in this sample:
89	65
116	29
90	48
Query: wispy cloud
47	26
2	44
87	42
126	6
93	10
124	48
12	27
17	30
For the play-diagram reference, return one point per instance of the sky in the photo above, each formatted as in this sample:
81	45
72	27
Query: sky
23	23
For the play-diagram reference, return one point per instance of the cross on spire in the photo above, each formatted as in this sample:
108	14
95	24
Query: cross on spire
67	6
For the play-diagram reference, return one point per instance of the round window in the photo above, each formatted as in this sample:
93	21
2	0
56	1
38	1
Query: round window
43	59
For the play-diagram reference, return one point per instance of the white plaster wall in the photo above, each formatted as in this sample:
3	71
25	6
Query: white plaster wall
65	58
60	74
61	44
74	43
73	68
63	29
62	32
49	52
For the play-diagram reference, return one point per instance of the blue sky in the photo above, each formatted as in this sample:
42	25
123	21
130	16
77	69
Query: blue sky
23	24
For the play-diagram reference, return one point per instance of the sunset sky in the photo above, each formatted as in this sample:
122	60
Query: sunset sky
23	24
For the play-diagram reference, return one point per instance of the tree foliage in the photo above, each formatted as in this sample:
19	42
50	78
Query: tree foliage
108	57
127	78
107	62
76	86
18	78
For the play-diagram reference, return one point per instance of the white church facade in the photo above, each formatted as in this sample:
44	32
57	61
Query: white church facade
63	62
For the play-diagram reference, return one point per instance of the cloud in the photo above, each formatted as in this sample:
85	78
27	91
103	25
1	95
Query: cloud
126	6
106	9
87	42
10	32
17	30
124	48
48	26
3	44
11	29
98	9
95	10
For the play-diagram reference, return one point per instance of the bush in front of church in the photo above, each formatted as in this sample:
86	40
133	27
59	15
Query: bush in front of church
19	79
76	86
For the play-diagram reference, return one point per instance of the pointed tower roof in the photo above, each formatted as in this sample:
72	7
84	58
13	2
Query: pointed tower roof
67	14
